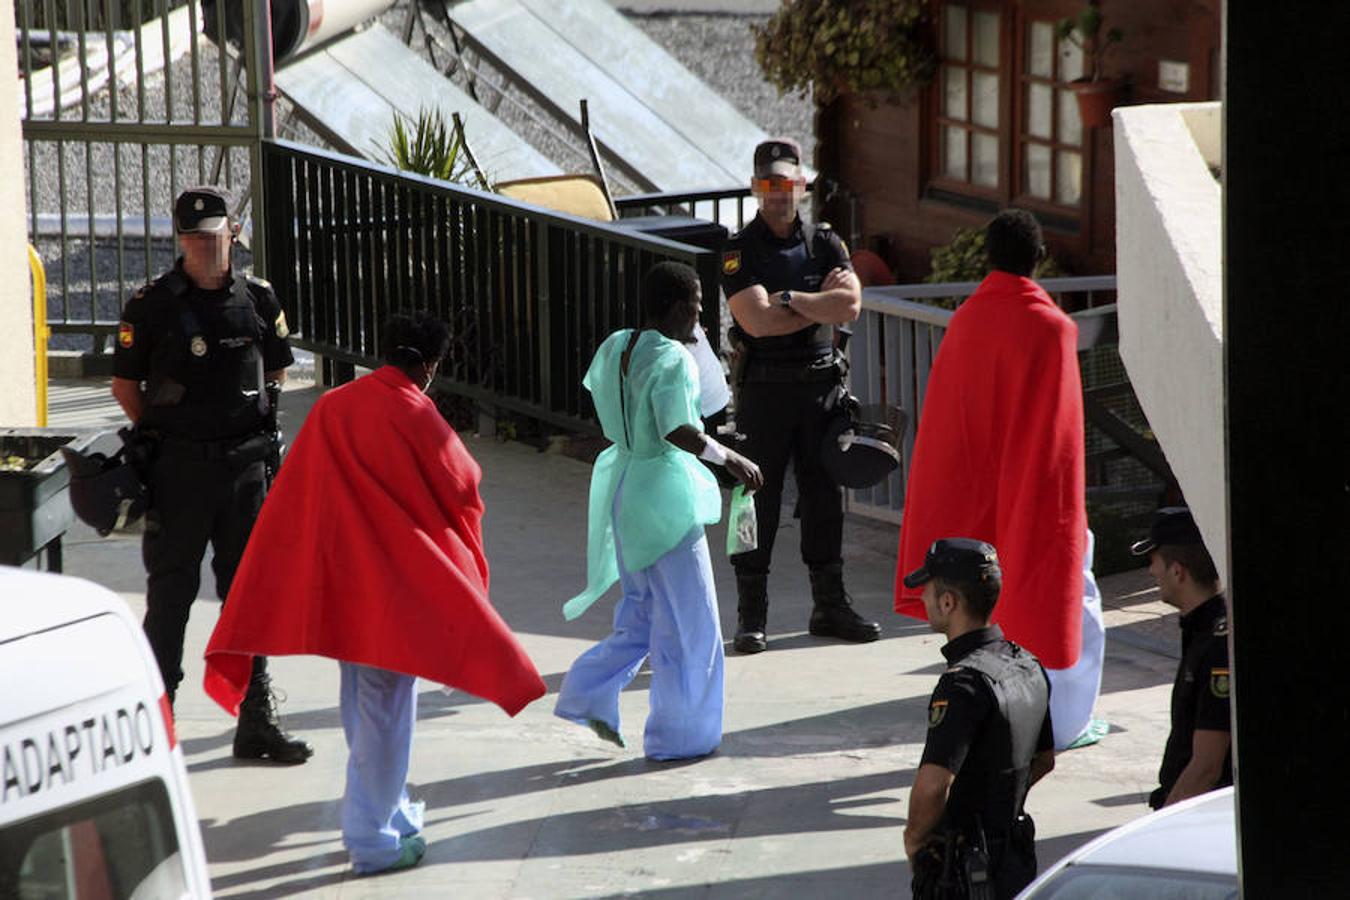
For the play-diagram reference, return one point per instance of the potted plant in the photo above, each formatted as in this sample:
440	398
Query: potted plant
1097	94
877	48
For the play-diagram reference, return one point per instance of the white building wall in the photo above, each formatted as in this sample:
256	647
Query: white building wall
1169	273
18	397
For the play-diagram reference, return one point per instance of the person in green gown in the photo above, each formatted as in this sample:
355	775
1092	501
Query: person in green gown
649	502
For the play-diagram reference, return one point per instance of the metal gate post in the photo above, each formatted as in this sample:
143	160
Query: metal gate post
261	101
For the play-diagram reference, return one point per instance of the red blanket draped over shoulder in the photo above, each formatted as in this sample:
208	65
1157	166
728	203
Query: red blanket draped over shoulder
999	457
369	549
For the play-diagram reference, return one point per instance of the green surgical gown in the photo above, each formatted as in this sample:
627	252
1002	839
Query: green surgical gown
667	490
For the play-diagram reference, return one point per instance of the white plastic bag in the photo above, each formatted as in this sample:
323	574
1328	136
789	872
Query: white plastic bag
742	524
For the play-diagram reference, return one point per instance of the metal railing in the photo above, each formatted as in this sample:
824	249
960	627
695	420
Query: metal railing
726	206
896	339
123	103
42	333
529	293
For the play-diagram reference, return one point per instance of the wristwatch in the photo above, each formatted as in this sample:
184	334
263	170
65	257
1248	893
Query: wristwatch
785	299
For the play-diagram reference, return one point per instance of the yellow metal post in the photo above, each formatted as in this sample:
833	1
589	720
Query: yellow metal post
41	332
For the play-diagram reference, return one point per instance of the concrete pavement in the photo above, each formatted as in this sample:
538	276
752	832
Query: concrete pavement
805	798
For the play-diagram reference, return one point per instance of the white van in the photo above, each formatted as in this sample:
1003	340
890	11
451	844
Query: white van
94	799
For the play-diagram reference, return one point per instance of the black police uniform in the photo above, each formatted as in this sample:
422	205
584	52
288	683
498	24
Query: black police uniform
782	407
987	718
202	355
1199	694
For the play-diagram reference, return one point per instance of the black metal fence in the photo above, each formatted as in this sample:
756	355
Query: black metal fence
727	206
529	293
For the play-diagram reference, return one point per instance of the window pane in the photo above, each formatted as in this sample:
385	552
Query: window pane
954	153
954	93
1037	174
1041	49
1070	61
1040	109
1069	178
953	32
1070	127
986	38
986	160
985	99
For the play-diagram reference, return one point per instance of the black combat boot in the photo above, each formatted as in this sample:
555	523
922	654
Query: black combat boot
752	613
259	734
833	615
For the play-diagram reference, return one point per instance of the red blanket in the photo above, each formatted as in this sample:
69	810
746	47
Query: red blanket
999	457
369	549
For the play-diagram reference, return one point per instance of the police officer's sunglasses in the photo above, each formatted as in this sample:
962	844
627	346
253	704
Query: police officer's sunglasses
776	185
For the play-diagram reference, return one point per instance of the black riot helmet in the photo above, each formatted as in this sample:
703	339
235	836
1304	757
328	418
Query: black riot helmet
105	491
861	443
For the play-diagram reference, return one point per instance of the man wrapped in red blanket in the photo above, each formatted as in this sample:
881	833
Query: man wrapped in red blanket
369	551
999	457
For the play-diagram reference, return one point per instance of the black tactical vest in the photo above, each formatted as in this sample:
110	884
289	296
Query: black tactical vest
796	268
206	369
993	783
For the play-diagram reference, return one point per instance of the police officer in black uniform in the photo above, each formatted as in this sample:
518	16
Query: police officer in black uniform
1198	756
788	284
989	737
194	350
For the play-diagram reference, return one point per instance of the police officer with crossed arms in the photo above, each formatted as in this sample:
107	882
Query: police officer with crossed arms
989	737
788	285
195	348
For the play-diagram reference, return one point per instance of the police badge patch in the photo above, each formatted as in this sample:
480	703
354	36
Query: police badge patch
1218	683
937	711
126	334
731	262
198	346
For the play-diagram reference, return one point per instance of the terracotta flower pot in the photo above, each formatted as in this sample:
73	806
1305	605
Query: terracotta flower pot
1096	99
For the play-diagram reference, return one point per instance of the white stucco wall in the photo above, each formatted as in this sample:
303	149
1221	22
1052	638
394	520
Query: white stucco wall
18	399
1169	257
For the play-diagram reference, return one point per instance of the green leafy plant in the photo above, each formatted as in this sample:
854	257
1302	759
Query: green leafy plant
870	47
428	147
1085	32
965	259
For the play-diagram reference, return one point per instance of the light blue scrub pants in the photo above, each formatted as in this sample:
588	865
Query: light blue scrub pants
1073	691
668	612
378	711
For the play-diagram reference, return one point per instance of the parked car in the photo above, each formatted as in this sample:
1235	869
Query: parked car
94	798
1184	852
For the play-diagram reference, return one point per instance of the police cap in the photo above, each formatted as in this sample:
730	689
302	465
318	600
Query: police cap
201	209
1172	525
958	559
778	156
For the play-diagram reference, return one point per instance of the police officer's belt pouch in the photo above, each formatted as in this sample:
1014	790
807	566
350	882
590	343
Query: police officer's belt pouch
106	493
861	446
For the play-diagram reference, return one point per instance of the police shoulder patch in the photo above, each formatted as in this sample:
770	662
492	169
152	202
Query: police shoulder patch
279	326
937	711
126	334
1219	683
731	262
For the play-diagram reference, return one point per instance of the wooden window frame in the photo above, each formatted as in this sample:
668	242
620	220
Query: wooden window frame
937	120
1011	133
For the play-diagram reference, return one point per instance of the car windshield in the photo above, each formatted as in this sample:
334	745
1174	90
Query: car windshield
1132	883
